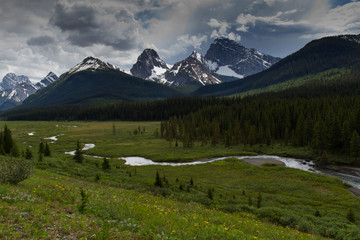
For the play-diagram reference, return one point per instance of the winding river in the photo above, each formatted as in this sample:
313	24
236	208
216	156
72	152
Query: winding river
348	175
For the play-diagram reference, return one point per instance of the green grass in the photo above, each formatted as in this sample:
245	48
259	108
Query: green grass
46	207
290	197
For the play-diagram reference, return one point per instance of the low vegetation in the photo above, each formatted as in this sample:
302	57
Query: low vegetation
104	198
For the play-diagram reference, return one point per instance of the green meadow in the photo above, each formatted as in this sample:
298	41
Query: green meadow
221	200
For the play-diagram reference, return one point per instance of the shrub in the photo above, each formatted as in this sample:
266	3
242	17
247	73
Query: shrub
84	201
15	170
350	216
158	181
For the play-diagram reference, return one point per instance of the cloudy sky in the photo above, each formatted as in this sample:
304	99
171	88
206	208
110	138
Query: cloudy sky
38	36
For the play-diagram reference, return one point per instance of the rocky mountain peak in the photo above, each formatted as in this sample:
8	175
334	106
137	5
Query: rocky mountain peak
11	80
228	57
148	65
50	78
197	56
191	71
91	63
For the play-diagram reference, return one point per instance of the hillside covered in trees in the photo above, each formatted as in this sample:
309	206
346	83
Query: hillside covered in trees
321	116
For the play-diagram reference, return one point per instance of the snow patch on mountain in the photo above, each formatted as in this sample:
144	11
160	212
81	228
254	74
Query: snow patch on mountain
227	71
11	80
241	60
91	63
21	88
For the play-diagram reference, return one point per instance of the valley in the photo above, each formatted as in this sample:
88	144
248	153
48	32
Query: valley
123	201
269	151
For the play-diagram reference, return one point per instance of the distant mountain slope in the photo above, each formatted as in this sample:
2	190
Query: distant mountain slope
225	60
18	88
46	81
11	80
97	84
317	56
230	58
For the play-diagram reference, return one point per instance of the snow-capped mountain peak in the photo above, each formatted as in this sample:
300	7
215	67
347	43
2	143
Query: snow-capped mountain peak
18	88
149	65
226	57
91	63
197	56
11	80
191	71
50	78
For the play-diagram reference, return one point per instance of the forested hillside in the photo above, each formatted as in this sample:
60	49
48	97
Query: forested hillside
317	56
323	117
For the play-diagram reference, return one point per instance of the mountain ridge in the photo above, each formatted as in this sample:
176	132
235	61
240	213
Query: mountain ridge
216	65
317	56
18	88
94	81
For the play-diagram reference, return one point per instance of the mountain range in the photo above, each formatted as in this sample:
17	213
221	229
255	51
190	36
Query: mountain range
94	82
225	57
15	89
321	56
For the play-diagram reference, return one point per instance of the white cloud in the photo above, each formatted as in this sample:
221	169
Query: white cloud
277	19
32	46
194	41
342	19
272	2
222	30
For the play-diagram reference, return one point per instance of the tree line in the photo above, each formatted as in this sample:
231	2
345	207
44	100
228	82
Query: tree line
326	124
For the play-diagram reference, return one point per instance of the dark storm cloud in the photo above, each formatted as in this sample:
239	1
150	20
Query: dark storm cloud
86	26
40	41
79	18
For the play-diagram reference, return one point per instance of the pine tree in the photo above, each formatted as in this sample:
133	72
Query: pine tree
158	181
14	150
2	151
210	194
28	154
105	164
8	140
346	137
78	154
319	142
41	146
47	151
355	146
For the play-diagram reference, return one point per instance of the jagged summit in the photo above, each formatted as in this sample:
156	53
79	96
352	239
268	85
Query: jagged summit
228	57
91	63
197	56
148	65
11	80
18	88
50	78
191	71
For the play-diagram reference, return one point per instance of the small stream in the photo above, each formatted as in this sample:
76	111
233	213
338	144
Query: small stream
349	176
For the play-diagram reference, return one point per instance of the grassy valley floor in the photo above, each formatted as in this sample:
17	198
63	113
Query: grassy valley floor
221	200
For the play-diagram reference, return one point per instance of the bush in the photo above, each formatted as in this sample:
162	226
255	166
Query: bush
15	170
